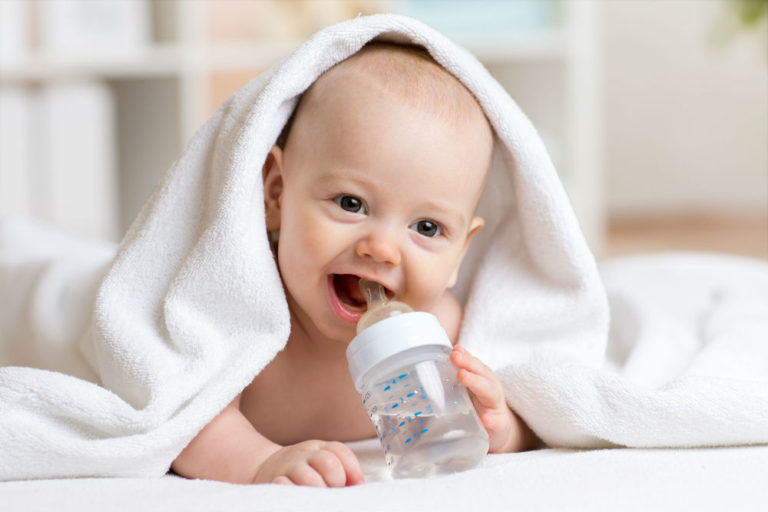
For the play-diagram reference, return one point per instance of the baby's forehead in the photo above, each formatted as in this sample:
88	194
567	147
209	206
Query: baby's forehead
403	76
409	75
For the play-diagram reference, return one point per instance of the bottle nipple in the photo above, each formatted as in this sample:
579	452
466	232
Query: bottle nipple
379	307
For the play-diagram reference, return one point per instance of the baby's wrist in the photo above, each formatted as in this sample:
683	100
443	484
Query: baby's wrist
521	437
264	456
508	438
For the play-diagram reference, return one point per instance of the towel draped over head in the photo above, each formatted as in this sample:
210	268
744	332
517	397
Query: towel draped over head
192	306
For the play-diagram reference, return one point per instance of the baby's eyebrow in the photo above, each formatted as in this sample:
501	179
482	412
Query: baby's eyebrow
334	176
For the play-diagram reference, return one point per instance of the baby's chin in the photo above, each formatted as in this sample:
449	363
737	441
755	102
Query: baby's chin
326	331
338	335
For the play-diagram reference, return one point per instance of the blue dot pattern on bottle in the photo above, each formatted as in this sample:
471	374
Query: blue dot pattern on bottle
401	418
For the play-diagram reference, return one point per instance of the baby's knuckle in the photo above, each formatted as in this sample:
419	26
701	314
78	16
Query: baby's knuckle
310	445
325	462
336	445
282	480
342	451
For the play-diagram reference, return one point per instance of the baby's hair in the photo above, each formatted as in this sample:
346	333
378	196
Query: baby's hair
410	73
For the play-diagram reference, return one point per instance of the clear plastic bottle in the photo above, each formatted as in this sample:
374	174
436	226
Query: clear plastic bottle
423	416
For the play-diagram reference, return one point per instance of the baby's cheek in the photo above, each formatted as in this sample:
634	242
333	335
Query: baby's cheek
431	302
322	239
313	242
308	233
429	281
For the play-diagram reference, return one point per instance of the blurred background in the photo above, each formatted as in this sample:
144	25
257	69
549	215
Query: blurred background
655	112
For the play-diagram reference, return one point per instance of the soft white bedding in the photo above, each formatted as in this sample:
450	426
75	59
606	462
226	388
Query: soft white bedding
613	479
668	310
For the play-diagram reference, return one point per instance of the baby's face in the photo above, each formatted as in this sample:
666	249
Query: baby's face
369	187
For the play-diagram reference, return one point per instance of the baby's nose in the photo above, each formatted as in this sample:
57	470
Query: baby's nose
381	246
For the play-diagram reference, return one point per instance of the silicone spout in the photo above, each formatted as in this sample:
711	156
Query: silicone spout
379	307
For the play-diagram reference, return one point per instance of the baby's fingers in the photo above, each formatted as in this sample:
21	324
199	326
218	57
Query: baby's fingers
485	391
304	474
479	379
463	359
350	466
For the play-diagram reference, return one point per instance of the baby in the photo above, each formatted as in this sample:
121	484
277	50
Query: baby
377	176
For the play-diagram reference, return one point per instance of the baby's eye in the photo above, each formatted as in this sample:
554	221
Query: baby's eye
427	228
350	203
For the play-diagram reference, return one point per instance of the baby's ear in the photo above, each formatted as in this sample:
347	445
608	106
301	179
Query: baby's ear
474	226
272	174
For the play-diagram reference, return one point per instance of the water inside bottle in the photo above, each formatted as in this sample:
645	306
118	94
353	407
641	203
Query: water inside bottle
425	422
431	446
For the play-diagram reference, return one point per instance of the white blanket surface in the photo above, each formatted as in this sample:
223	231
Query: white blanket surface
686	363
111	366
711	479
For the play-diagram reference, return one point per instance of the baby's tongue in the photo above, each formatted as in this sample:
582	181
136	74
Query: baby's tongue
348	289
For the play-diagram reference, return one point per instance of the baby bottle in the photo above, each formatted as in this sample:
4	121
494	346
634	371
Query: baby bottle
424	418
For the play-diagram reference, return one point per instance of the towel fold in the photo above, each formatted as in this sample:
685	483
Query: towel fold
686	364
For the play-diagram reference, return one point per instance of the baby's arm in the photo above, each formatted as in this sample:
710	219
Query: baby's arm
231	450
507	431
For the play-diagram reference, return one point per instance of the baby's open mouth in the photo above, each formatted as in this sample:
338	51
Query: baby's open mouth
347	288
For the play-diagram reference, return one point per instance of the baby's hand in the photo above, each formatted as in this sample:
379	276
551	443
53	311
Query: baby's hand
313	463
507	432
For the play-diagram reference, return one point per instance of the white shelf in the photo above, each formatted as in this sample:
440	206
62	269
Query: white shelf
159	60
